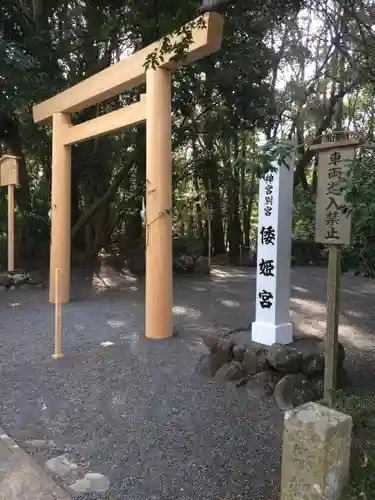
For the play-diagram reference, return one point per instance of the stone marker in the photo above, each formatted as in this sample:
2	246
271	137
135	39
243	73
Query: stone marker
315	454
272	319
61	465
93	482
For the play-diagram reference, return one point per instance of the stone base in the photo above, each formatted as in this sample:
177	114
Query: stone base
268	334
292	373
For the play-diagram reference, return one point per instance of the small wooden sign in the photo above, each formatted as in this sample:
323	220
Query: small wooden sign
9	170
332	228
333	223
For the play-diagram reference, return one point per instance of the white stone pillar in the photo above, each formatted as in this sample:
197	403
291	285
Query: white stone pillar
272	321
315	453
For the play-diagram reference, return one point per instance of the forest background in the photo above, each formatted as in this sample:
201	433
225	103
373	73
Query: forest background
299	69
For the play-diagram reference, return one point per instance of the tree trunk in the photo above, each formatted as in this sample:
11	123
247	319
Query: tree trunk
102	202
249	210
75	209
199	221
135	223
210	173
234	224
214	198
233	195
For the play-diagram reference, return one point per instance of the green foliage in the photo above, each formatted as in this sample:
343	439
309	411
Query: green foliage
303	214
359	189
362	484
187	245
174	45
275	150
48	47
263	161
3	251
360	409
221	106
186	250
362	474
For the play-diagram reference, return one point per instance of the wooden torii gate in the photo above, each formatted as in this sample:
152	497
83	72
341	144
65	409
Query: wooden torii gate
155	108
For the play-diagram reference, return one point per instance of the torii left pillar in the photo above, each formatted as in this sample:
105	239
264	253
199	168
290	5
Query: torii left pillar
60	209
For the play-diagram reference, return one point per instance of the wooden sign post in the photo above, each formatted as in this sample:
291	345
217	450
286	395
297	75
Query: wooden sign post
209	224
332	227
9	176
58	351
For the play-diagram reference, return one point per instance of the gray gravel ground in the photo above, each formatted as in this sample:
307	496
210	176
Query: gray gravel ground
136	411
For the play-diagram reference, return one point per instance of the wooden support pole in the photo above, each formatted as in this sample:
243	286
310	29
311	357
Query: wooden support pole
159	279
333	308
60	209
11	228
209	223
58	351
209	240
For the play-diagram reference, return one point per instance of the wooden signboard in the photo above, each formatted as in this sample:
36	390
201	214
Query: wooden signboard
332	227
333	224
9	171
9	168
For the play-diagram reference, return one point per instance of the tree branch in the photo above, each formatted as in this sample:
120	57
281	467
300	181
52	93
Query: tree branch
103	201
308	154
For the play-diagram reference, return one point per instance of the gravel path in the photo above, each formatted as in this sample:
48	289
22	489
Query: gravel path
136	411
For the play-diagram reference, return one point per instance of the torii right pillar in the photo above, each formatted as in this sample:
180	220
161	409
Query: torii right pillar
159	277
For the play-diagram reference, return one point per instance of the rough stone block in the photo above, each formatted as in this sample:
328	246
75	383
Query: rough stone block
318	382
255	359
230	371
239	353
315	454
61	465
284	358
260	385
225	348
91	483
220	354
312	352
292	391
206	366
210	341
